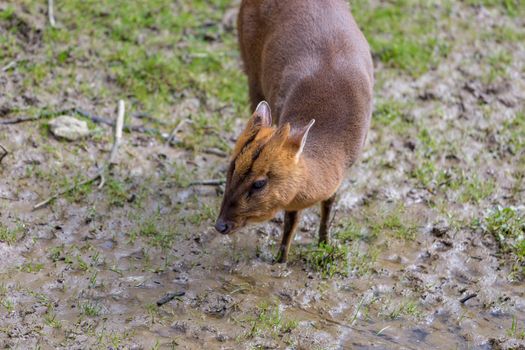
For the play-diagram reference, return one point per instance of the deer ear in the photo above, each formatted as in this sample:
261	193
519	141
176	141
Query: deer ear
298	139
262	115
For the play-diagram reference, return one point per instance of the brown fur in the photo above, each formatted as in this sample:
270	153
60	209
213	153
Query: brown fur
309	60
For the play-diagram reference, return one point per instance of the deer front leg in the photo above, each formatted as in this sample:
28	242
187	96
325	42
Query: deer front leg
291	219
326	209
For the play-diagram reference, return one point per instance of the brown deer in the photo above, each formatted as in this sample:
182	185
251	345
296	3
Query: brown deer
312	64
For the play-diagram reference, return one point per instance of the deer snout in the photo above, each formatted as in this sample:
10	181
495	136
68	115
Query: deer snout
223	226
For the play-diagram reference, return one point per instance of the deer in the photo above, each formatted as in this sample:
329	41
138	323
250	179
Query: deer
310	83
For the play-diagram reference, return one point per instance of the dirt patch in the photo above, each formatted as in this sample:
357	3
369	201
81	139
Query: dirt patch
415	261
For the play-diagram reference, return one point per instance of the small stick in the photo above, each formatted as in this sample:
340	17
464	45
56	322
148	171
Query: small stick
467	298
9	65
118	133
216	152
213	182
4	154
146	116
169	297
69	189
94	118
100	120
176	130
17	120
111	160
51	14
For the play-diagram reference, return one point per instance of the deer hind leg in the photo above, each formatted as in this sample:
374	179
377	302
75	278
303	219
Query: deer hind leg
326	209
291	219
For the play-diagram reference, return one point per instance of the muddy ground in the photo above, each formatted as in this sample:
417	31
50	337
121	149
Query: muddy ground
427	251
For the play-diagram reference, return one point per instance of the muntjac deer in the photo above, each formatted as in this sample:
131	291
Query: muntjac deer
312	64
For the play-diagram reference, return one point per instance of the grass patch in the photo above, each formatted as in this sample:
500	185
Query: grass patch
327	259
31	267
507	225
498	64
269	320
475	189
8	304
155	53
11	236
392	114
515	331
403	34
407	308
509	7
154	235
89	309
514	133
116	192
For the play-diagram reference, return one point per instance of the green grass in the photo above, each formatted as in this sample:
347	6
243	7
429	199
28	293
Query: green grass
498	64
152	233
403	34
509	7
327	259
10	235
32	267
269	320
154	53
407	308
515	331
507	225
514	132
89	309
8	304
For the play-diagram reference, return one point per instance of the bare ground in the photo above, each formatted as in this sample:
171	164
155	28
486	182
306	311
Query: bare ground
415	266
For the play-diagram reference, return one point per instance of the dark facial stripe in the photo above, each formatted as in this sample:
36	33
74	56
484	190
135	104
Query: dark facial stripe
250	140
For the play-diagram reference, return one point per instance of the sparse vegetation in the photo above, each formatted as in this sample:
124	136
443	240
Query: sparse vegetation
269	319
89	309
508	227
10	236
446	144
328	259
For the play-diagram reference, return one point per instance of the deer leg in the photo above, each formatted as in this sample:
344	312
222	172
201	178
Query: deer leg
326	209
291	219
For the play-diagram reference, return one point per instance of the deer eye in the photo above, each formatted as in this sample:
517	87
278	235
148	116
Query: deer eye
259	184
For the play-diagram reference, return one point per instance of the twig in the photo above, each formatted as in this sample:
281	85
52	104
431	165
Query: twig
111	160
50	12
18	120
146	116
5	152
101	120
214	182
172	135
9	65
169	297
67	190
94	118
216	152
467	298
118	133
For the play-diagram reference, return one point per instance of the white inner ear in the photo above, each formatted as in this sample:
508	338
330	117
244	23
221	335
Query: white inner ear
264	112
303	139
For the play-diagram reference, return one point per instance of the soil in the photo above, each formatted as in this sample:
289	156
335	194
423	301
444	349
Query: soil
88	270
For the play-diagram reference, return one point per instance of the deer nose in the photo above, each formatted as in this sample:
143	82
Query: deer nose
222	226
